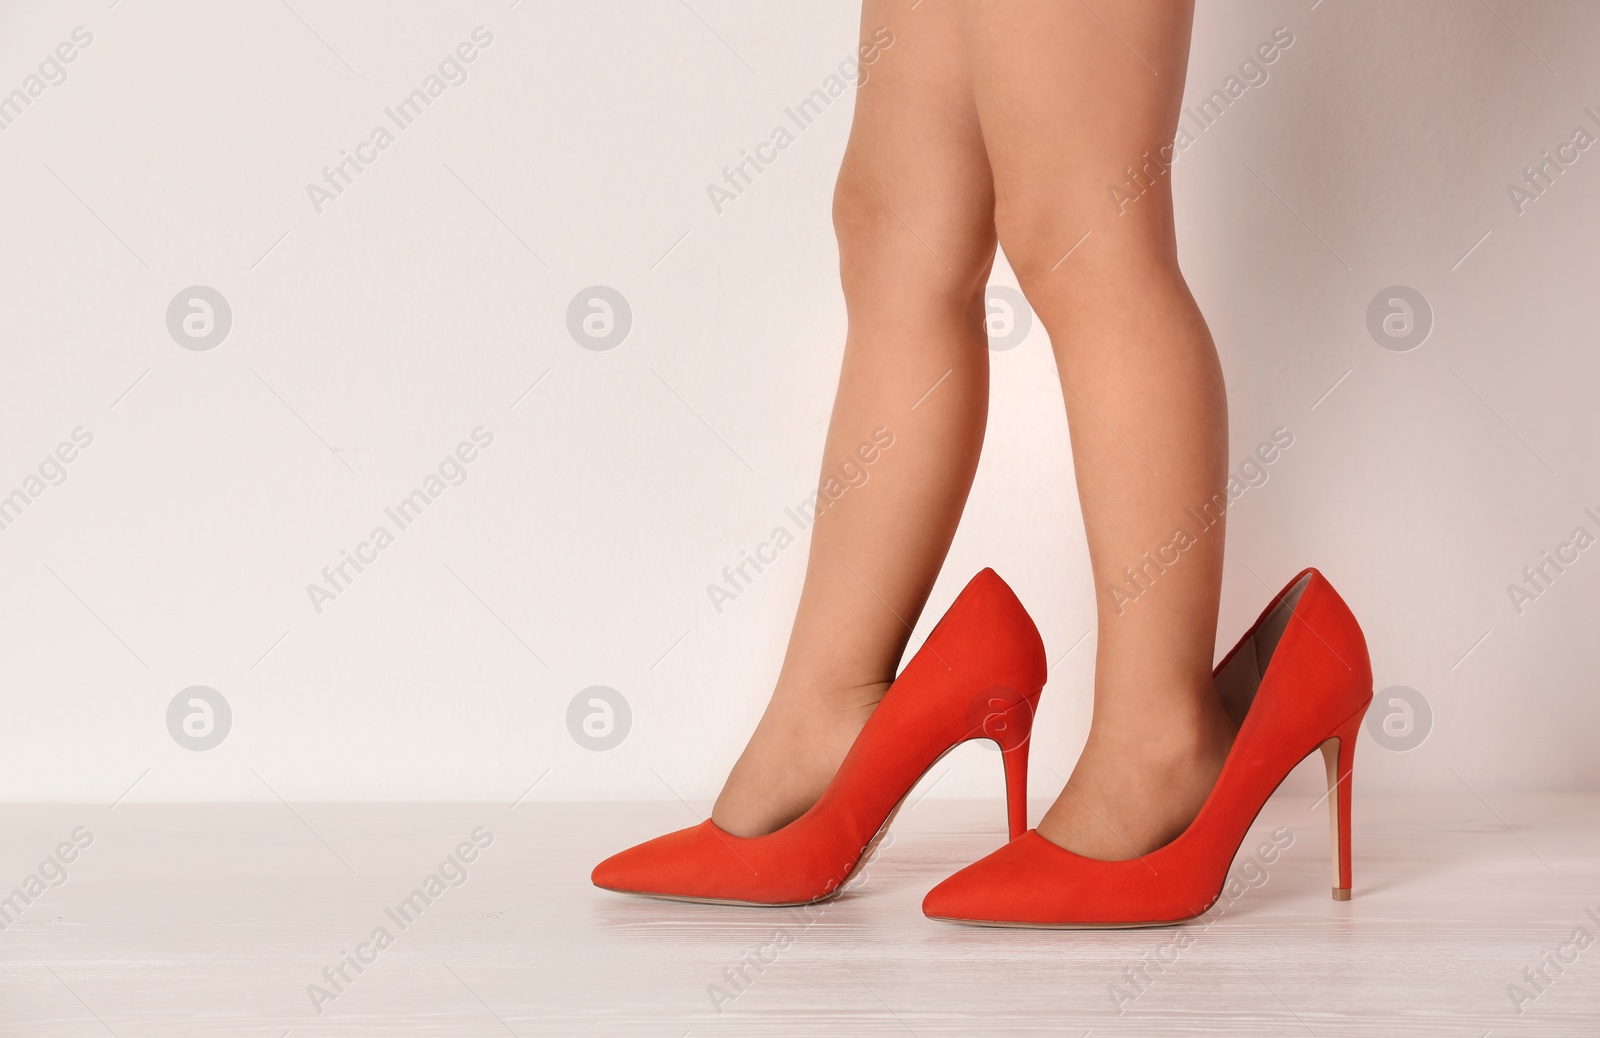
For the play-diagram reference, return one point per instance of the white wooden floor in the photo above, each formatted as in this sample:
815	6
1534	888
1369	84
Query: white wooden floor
213	920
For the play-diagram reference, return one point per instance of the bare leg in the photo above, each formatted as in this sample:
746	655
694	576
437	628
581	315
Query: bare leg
1067	102
913	212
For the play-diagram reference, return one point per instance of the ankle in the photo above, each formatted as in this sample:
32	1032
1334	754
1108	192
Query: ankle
796	749
829	693
1179	730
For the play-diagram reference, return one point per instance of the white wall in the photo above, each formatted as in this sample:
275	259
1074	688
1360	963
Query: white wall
367	341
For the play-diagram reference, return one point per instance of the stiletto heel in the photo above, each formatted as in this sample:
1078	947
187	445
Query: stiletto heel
1300	679
1016	764
1339	755
977	676
1009	724
1015	760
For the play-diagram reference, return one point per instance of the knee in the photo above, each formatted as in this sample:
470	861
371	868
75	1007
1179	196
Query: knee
912	253
1038	235
1074	252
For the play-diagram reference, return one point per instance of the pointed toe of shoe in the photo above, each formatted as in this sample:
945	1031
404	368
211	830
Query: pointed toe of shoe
952	900
703	863
674	865
629	871
1033	882
1002	888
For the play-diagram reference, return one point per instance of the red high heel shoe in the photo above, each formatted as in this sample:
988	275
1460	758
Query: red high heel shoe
1300	681
977	676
